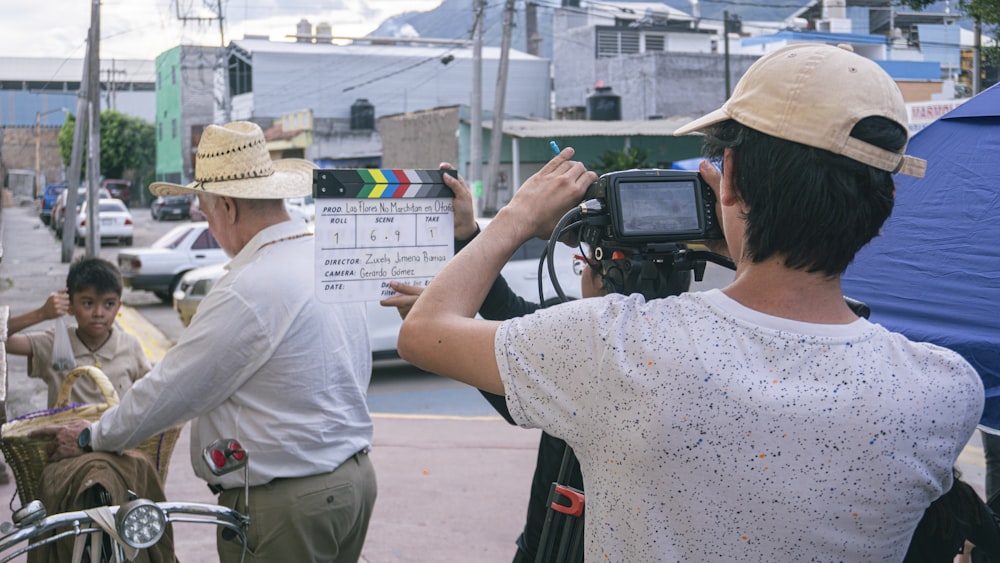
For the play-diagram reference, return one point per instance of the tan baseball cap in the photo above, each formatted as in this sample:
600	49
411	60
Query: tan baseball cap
814	94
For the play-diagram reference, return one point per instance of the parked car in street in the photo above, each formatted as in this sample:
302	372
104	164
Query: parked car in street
59	207
114	222
119	189
48	200
303	208
194	211
521	274
159	268
171	207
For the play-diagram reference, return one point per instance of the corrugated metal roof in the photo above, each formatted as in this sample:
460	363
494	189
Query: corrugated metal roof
291	47
38	69
533	129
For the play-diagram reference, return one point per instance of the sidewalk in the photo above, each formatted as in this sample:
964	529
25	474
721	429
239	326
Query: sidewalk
451	490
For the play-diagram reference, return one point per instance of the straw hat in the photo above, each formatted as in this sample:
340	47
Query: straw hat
233	161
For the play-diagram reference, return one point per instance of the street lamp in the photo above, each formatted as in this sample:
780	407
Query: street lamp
38	148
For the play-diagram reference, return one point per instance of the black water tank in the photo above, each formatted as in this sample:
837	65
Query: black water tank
362	115
603	105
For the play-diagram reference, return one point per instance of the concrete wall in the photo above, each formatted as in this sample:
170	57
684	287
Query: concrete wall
18	153
337	144
666	84
919	91
421	139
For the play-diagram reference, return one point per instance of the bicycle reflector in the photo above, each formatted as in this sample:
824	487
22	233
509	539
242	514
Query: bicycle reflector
140	523
224	456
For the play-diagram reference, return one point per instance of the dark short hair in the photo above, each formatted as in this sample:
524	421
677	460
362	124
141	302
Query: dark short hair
94	273
814	208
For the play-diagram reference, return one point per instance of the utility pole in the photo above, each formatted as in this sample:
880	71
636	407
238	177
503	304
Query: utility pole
226	109
91	67
94	138
496	134
977	55
725	28
111	100
38	155
93	230
476	104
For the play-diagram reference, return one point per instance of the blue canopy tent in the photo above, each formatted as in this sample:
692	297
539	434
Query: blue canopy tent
934	273
687	164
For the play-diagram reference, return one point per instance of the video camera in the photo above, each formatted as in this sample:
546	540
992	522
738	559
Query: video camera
636	223
649	206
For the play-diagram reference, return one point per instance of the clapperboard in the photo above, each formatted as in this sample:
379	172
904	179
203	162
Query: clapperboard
376	226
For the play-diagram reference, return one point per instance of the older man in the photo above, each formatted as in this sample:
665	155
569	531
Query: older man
263	362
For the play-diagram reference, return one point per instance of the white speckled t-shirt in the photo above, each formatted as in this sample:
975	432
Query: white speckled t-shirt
709	431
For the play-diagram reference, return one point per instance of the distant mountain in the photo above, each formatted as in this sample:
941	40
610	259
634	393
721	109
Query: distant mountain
453	19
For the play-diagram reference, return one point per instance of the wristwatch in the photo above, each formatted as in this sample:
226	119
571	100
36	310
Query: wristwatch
83	440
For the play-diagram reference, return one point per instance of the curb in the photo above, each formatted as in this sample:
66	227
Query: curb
154	343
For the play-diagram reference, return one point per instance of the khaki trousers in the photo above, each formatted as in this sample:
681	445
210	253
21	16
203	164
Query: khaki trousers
322	518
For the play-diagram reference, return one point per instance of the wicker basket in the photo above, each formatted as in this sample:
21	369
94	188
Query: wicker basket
27	456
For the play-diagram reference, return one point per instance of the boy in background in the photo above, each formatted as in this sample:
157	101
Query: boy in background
93	296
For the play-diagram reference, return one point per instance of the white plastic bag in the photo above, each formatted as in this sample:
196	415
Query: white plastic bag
62	350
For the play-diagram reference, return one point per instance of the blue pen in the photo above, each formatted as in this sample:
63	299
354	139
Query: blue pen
555	147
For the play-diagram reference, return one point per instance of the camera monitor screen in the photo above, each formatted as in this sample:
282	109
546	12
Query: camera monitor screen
652	208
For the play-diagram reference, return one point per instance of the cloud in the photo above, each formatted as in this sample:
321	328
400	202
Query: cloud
145	28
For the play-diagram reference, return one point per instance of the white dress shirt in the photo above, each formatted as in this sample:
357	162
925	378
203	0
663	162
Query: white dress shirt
263	362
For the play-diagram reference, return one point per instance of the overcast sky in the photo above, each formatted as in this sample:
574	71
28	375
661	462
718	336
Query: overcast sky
142	29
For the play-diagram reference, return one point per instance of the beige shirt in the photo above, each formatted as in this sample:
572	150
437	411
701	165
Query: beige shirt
121	358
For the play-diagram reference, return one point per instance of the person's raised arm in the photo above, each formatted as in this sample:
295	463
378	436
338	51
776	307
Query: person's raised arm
440	333
465	217
55	306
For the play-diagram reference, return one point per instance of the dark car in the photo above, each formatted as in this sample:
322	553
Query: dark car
52	192
171	207
119	189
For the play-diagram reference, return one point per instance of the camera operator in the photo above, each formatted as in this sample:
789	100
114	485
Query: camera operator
502	303
761	422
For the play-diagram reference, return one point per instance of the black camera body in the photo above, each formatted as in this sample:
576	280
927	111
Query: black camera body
644	206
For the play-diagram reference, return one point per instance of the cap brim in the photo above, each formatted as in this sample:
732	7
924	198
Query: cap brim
292	178
704	121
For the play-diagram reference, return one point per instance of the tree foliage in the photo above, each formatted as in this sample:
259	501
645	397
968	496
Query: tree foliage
128	144
625	159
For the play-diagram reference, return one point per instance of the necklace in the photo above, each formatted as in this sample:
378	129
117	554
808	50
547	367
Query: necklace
283	239
93	351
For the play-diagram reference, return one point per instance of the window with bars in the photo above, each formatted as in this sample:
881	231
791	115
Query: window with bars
655	42
616	41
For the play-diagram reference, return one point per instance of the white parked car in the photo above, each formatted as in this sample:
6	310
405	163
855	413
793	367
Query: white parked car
59	207
159	268
521	274
303	208
114	222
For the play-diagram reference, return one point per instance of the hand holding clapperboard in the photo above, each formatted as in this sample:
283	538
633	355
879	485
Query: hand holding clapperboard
376	226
